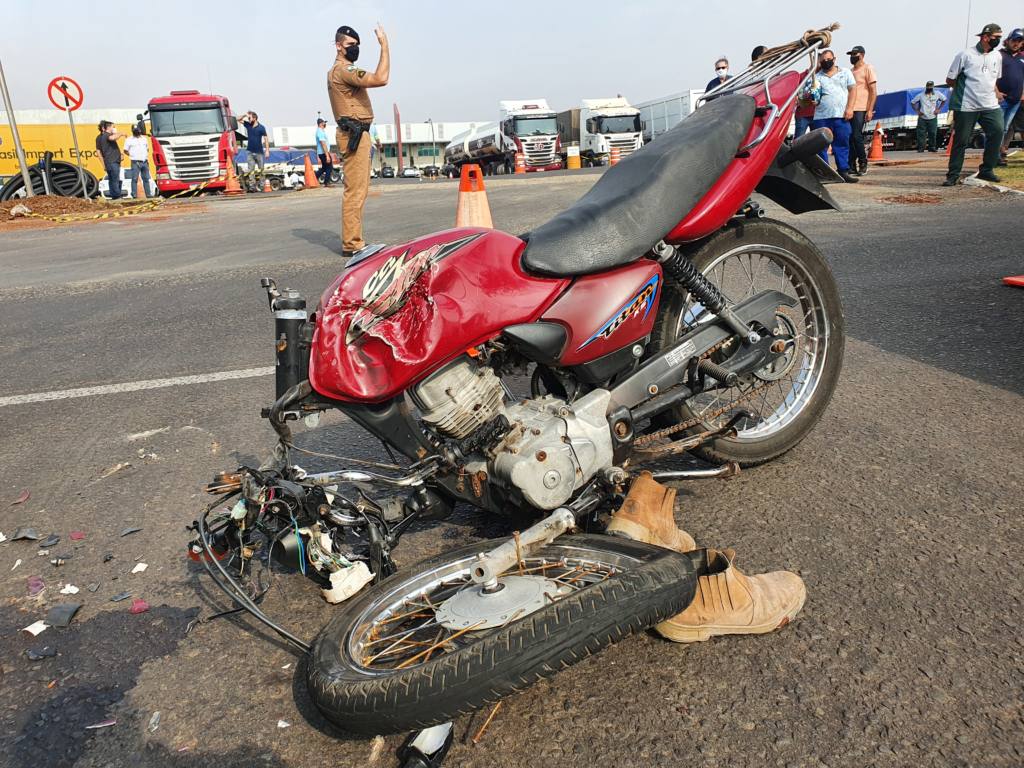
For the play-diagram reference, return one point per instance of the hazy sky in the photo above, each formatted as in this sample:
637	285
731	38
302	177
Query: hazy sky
454	59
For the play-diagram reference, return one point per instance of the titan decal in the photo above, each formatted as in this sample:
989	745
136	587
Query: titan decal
386	290
643	301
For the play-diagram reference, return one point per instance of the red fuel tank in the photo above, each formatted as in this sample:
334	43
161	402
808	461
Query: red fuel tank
390	320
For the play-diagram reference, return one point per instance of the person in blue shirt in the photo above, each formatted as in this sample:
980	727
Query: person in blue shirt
1011	85
258	147
323	151
834	111
721	73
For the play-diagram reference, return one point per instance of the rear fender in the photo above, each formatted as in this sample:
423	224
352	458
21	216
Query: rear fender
798	187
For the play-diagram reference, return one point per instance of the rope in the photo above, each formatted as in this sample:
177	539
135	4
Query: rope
809	38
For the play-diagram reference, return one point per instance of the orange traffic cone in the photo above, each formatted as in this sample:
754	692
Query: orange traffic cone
140	188
520	163
614	156
232	188
266	185
309	181
876	145
1017	281
473	210
949	146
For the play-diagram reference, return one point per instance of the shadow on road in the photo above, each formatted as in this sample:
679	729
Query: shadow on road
325	238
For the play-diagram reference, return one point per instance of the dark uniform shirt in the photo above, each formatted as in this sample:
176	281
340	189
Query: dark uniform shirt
108	150
347	94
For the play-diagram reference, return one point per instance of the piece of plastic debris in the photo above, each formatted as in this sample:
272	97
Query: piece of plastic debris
22	497
50	541
139	567
114	469
40	653
25	533
51	684
76	535
108	557
69	589
93	586
101	724
16	563
154	722
120	596
43	552
35	585
62	558
283	724
2	537
345	582
62	614
126	531
139	606
36	627
287	666
20	210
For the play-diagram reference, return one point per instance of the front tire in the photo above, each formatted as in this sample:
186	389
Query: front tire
744	258
632	587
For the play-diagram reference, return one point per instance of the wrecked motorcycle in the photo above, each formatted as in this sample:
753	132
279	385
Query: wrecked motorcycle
660	315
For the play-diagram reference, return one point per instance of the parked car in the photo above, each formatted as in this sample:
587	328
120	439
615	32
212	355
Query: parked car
387	172
450	171
411	172
432	171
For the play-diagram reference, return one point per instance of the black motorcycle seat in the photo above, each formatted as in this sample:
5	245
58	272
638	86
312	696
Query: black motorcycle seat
640	200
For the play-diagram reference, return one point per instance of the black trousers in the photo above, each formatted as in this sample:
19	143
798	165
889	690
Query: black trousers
857	152
326	169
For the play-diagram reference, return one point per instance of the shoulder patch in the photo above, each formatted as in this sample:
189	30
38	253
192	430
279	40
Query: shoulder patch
350	68
360	73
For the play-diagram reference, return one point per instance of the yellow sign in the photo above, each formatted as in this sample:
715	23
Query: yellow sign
37	139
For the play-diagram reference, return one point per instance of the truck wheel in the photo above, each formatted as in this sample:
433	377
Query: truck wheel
276	184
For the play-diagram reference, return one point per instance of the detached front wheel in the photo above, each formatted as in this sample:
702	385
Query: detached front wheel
427	644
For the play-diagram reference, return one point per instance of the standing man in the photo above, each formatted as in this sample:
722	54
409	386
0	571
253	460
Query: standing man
137	149
928	104
834	111
721	73
975	100
1011	85
864	96
106	145
323	151
257	145
346	88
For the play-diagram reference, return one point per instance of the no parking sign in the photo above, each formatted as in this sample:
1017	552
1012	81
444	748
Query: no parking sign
67	96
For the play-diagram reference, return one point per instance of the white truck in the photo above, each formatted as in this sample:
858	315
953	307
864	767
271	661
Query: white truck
597	126
526	127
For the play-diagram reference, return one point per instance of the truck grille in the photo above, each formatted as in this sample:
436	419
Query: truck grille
626	146
539	153
193	162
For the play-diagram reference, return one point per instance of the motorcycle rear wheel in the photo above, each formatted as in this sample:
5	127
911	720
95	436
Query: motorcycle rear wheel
413	677
744	258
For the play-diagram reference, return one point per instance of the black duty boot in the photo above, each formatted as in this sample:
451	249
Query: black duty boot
845	176
988	176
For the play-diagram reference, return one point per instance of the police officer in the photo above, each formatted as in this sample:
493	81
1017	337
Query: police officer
346	88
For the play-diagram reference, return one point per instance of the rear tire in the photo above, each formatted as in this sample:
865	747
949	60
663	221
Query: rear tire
648	585
806	262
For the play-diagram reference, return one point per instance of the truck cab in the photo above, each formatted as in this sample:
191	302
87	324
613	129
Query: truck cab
529	127
608	123
193	136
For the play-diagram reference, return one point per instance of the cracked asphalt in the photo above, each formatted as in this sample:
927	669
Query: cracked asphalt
902	510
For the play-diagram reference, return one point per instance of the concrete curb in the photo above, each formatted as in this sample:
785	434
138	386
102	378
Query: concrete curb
974	181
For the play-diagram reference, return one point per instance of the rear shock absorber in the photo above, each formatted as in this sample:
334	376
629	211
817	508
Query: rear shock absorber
679	267
289	310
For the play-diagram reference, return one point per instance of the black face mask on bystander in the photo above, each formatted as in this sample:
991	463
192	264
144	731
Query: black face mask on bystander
827	64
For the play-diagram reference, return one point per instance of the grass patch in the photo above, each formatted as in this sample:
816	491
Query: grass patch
1013	175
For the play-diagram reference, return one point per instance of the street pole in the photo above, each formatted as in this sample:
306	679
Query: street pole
29	192
74	139
967	40
433	148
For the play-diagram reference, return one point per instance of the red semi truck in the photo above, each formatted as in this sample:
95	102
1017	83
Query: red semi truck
193	137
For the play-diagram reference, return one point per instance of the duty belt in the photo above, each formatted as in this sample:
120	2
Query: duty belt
355	130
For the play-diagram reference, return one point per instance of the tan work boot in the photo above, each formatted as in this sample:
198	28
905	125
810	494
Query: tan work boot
729	602
646	515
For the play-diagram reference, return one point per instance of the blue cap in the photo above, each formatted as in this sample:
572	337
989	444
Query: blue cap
1017	34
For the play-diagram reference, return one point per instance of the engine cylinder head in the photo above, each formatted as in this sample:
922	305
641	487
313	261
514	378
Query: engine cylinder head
460	398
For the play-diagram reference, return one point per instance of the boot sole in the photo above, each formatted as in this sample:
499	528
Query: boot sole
682	634
630	530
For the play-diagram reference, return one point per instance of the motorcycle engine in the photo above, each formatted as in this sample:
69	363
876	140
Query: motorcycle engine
549	450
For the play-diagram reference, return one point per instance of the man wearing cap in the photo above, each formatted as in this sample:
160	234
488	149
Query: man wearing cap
323	151
928	104
864	96
346	88
975	100
1011	85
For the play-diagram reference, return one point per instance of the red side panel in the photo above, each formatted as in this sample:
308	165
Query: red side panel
737	183
607	311
390	320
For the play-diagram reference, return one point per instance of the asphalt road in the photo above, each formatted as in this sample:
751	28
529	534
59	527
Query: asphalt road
901	510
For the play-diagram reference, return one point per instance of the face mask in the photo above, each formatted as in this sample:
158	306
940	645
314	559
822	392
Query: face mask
928	90
722	72
827	64
352	52
854	59
993	43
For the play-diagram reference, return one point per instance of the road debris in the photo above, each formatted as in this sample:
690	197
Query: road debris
35	585
376	750
101	724
148	433
480	733
93	586
142	453
28	534
287	666
62	614
76	535
283	724
22	497
154	722
109	556
43	552
128	531
62	558
16	563
50	541
2	537
19	210
139	606
69	589
40	653
114	469
140	567
36	627
120	596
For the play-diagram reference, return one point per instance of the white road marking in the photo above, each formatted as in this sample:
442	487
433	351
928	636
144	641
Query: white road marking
135	386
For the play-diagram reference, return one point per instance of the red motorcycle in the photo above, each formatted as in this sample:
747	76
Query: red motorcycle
661	314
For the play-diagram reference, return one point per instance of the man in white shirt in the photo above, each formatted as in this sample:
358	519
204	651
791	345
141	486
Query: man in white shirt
928	104
137	149
975	101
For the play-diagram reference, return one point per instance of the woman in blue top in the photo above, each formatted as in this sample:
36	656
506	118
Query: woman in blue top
834	110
